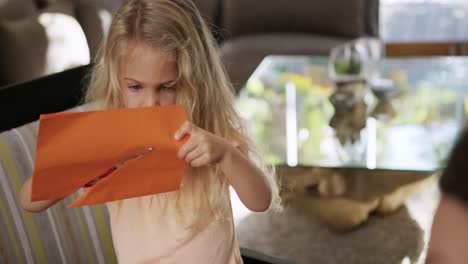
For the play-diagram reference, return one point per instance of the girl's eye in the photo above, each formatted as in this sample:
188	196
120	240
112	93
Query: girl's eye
167	88
135	88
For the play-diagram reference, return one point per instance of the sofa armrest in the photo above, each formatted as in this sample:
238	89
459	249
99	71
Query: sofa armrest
24	102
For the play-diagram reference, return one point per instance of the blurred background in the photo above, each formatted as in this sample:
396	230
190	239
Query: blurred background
356	103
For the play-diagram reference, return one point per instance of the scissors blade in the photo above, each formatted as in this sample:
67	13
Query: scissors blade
118	165
137	155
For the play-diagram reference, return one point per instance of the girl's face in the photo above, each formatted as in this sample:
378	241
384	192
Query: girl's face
148	77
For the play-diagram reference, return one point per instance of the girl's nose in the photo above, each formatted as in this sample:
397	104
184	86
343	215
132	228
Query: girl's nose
151	99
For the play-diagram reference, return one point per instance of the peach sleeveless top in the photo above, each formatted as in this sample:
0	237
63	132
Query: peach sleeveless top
145	230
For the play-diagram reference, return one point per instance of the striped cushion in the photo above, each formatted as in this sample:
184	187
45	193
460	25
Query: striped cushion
58	235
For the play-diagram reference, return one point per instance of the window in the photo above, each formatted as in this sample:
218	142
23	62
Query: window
424	20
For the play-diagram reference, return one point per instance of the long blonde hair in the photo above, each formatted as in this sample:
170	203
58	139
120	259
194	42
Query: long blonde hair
177	27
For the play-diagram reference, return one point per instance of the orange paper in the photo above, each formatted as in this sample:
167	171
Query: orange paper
75	148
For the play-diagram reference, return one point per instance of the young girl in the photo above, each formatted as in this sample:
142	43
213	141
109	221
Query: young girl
160	52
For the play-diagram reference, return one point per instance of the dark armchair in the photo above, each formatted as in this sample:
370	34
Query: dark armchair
255	29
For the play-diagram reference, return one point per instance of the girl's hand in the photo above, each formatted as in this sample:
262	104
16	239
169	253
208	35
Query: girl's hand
203	148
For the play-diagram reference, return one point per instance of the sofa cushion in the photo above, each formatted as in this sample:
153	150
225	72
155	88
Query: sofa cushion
332	17
109	5
59	44
95	22
66	7
16	9
243	54
94	16
58	235
208	9
67	45
19	60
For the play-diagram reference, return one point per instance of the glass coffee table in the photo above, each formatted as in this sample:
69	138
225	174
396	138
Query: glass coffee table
287	108
402	132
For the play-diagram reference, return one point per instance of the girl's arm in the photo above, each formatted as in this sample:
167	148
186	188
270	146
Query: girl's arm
33	207
449	232
204	148
248	180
